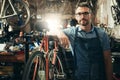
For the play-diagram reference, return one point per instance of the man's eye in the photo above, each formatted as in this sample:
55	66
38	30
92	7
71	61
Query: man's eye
86	13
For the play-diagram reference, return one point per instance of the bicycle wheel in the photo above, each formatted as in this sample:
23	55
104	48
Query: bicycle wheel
56	71
35	67
23	14
114	2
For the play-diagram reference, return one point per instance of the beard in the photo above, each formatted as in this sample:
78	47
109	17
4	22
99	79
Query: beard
83	22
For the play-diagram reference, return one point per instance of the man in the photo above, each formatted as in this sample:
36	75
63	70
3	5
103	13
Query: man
90	46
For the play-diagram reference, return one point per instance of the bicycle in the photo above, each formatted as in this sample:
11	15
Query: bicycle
115	11
15	13
49	63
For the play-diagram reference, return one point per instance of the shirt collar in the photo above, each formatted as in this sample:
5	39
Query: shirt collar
79	29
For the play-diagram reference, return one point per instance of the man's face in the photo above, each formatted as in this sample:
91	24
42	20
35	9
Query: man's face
83	16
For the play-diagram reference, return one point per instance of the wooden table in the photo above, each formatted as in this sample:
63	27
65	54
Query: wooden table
15	61
8	57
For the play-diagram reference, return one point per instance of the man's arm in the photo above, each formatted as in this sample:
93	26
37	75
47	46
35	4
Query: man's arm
108	64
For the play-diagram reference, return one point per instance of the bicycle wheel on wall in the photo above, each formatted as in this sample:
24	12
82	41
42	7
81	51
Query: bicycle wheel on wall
35	67
23	14
114	11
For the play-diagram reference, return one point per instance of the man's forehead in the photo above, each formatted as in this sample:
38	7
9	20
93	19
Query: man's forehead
82	9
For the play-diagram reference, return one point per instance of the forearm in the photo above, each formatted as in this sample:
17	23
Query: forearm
108	66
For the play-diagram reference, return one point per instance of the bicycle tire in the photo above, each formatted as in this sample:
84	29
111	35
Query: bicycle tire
23	14
30	66
114	2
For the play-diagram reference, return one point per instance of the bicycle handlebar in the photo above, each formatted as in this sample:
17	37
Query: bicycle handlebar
39	34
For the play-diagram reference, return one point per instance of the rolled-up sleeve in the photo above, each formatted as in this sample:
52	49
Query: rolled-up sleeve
105	42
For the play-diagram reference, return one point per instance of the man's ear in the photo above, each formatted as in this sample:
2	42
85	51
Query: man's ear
93	18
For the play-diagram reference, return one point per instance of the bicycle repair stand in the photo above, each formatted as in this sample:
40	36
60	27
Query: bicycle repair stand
26	50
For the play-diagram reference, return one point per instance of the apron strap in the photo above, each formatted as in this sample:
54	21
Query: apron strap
74	56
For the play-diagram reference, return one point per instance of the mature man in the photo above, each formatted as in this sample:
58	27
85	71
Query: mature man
90	46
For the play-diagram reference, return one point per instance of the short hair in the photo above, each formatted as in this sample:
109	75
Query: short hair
83	4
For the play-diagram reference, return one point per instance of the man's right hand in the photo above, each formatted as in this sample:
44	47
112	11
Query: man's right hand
63	40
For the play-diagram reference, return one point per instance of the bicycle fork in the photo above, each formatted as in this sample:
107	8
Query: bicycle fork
58	75
44	45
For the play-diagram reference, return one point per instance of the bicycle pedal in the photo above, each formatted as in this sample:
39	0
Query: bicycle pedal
60	76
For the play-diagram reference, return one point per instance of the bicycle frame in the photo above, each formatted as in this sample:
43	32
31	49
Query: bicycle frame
2	16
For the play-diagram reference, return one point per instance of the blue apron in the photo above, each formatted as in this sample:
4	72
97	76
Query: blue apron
89	60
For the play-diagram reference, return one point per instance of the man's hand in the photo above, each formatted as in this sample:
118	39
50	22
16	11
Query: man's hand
63	40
